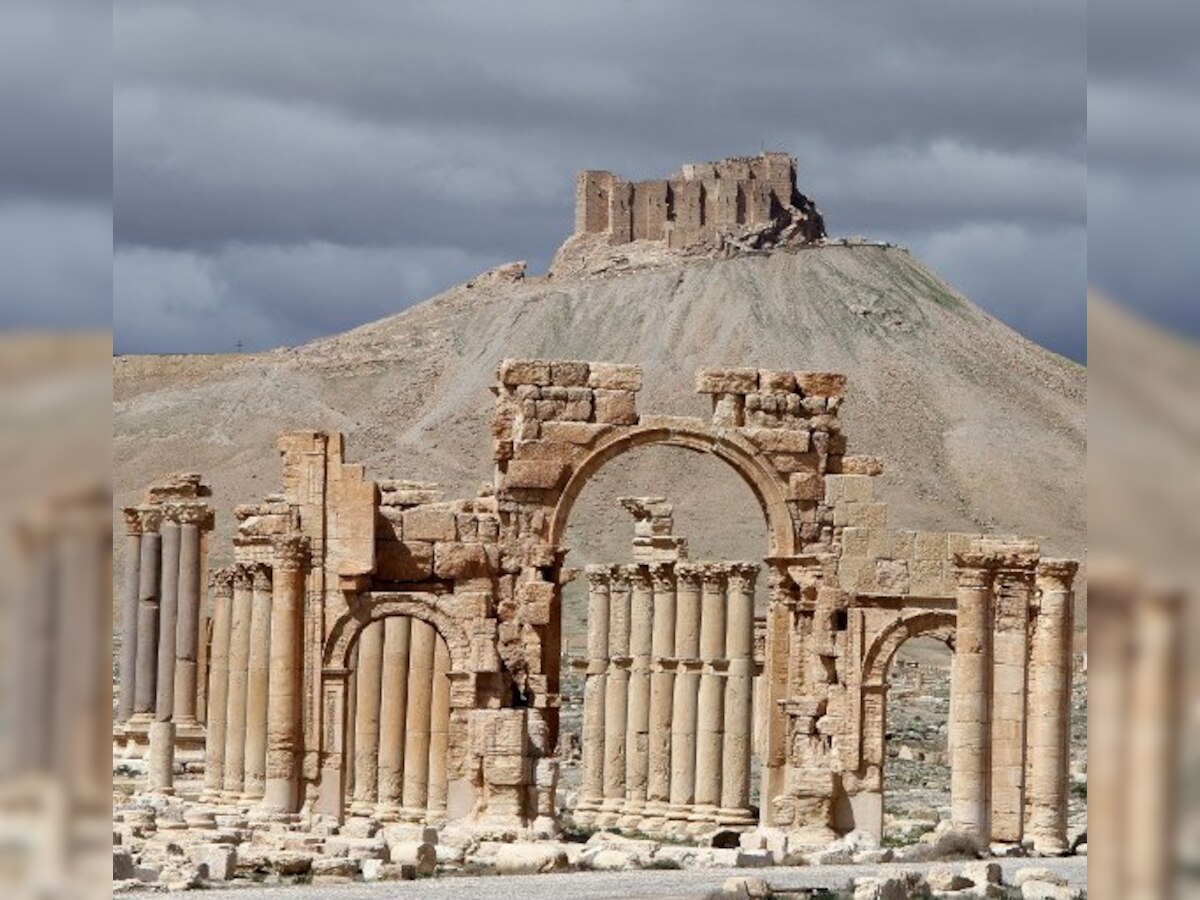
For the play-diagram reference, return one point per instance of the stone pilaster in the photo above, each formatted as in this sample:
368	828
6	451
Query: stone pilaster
258	685
218	684
1049	707
711	703
368	683
284	739
971	699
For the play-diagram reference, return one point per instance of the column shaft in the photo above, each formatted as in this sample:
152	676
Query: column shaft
258	686
392	719
686	693
239	664
129	623
739	701
284	738
1010	655
417	725
662	686
616	693
218	684
591	790
187	628
168	619
1049	706
145	693
368	681
439	728
637	730
970	708
711	704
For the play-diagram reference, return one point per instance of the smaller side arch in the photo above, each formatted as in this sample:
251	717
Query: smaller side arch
374	606
878	658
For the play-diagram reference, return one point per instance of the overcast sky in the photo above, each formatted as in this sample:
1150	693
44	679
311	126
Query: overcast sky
283	170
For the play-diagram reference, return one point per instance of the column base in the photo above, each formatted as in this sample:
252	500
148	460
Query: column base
736	817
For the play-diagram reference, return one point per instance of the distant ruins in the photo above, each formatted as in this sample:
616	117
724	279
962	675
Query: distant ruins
739	203
379	654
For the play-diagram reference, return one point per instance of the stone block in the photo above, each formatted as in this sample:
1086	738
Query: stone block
530	859
536	598
857	488
422	524
524	371
726	381
534	474
862	465
577	433
122	865
821	384
420	855
805	486
729	410
616	407
931	545
565	373
405	560
456	560
927	577
506	771
780	440
856	541
776	382
615	376
891	576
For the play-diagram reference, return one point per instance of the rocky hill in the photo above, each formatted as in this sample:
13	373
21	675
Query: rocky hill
980	428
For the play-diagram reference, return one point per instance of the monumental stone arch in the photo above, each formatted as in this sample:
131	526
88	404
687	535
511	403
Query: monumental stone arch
379	650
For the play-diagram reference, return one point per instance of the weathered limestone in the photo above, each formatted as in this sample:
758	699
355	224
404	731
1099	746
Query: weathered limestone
134	528
161	769
238	682
637	734
284	741
368	686
393	720
662	687
145	689
187	632
711	701
687	692
439	730
971	701
591	792
168	622
218	683
739	699
258	685
616	698
417	724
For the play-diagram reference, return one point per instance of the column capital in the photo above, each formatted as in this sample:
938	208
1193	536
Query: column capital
262	576
598	575
142	519
221	581
620	576
197	514
662	576
742	575
974	570
291	551
1057	574
714	574
243	576
689	574
639	576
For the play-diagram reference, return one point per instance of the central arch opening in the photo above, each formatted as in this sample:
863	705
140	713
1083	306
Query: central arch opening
704	501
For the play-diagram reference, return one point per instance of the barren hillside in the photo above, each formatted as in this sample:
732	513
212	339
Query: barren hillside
980	428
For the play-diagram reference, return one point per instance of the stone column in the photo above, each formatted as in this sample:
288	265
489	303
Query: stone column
739	699
168	621
1049	707
239	665
258	686
368	681
1013	595
971	695
187	629
218	684
392	719
161	767
145	693
591	790
281	792
417	725
616	697
129	613
637	726
662	686
439	730
686	693
711	705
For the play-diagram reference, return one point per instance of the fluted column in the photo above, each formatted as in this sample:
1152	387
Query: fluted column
392	719
439	730
218	684
711	705
187	628
284	694
258	685
637	725
662	686
686	693
239	664
129	613
168	620
368	681
591	791
971	694
739	700
616	696
145	693
1049	707
420	702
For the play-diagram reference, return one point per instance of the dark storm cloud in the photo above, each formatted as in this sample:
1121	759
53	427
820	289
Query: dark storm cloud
310	136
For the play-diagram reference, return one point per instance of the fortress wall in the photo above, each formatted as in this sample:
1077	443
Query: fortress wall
649	210
688	206
592	196
620	213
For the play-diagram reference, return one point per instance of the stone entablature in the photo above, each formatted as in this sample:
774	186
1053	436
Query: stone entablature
336	552
699	204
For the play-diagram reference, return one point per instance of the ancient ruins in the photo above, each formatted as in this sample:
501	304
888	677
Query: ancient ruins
376	651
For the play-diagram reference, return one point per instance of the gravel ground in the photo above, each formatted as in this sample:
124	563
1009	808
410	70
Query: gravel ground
683	884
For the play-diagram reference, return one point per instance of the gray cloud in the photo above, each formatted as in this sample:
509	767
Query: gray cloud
297	168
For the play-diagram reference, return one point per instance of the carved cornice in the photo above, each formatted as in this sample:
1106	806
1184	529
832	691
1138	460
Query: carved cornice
197	514
974	570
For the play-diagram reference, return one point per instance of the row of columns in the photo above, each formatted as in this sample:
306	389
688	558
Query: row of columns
239	679
401	717
668	695
1010	701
